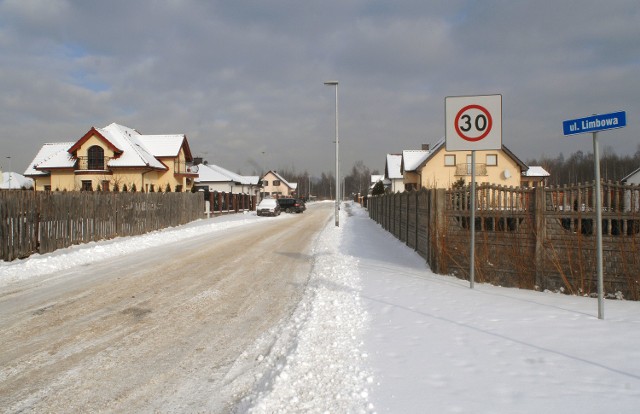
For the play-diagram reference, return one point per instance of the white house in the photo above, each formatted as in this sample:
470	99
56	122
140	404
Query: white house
273	184
216	178
393	173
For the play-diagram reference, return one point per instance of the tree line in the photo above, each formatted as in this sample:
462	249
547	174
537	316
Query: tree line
579	167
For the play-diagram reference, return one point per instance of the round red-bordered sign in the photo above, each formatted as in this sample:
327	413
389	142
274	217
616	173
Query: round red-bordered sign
487	126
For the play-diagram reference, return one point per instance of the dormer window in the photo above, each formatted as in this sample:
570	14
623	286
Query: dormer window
96	158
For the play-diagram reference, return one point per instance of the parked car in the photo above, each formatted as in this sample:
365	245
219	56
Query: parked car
268	207
291	205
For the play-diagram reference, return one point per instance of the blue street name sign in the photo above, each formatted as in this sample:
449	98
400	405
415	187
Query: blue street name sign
595	123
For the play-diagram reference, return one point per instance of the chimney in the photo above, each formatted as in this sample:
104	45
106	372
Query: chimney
425	147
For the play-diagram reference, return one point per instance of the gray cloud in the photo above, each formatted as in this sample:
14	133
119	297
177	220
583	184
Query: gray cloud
244	79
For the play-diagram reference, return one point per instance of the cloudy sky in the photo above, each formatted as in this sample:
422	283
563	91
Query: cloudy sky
244	79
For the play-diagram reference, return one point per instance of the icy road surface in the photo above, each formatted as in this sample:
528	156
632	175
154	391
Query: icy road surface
158	329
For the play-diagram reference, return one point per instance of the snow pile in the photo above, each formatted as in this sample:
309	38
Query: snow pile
317	364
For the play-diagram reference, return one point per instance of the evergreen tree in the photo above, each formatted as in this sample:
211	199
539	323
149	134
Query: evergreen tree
378	189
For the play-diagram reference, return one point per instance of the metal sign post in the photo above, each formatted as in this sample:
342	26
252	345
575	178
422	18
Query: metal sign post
472	219
473	123
594	124
596	160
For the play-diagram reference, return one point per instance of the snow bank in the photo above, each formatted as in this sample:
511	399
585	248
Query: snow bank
318	365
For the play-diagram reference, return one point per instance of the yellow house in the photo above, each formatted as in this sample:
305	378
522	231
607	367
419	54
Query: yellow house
438	168
274	185
114	157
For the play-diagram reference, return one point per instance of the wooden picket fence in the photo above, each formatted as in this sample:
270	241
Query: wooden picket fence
41	222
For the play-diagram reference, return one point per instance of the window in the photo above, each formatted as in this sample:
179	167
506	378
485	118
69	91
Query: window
276	182
86	185
492	159
265	183
449	160
96	158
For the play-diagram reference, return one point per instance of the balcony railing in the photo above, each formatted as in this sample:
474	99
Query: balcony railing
184	168
465	169
92	164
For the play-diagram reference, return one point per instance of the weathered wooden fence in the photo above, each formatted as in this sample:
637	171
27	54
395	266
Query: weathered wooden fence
41	222
542	238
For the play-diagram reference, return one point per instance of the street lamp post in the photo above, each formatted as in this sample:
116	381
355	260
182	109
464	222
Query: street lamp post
337	213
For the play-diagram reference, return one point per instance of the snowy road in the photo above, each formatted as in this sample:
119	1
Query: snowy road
158	329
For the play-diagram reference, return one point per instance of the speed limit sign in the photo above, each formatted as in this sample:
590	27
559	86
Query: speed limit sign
473	122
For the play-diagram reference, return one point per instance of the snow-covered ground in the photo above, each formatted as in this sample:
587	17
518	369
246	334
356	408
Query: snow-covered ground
378	332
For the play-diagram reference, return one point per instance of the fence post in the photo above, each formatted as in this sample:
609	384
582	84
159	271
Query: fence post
437	228
415	205
539	212
407	225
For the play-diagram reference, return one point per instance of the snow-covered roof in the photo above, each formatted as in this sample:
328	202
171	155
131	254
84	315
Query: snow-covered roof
13	180
134	151
215	173
52	155
206	174
392	169
163	145
412	159
625	179
252	179
536	171
375	178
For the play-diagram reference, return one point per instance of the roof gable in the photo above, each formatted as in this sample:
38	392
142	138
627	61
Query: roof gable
292	186
440	145
392	168
93	132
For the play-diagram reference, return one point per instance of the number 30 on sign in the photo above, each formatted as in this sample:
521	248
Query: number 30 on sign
473	122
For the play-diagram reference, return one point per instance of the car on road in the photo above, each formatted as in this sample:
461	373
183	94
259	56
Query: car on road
292	205
268	207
